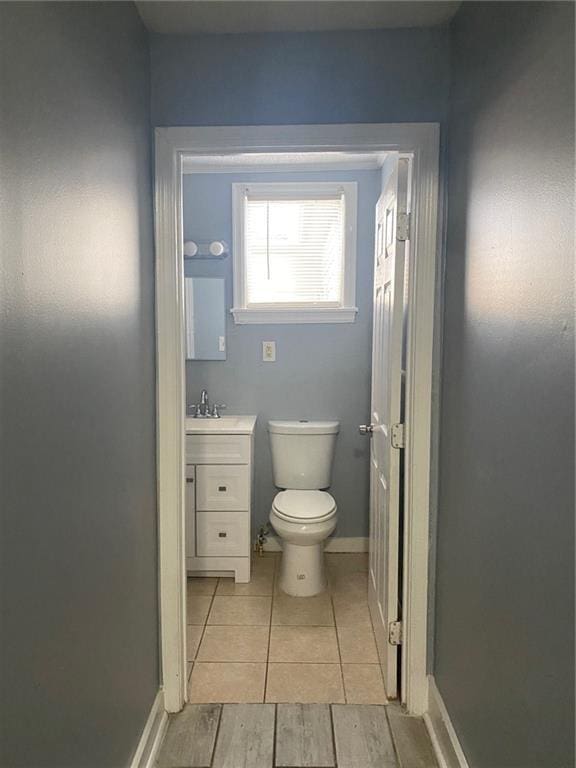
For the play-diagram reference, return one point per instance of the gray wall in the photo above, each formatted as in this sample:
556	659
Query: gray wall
321	371
79	581
375	76
505	563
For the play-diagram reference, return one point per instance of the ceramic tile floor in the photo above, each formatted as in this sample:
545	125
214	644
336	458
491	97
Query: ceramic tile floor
251	643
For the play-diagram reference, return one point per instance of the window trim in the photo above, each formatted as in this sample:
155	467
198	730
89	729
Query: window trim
296	313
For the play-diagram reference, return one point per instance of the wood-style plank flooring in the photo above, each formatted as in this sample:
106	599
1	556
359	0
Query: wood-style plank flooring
295	736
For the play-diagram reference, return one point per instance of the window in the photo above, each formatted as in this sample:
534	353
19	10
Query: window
294	252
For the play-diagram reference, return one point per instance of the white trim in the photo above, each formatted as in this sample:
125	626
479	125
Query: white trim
446	745
170	399
276	313
288	190
335	544
423	269
152	735
248	316
364	165
418	139
292	162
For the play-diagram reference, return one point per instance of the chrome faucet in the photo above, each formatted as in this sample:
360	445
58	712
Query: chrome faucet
202	409
216	408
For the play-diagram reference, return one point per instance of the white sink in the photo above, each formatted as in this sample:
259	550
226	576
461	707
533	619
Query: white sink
225	425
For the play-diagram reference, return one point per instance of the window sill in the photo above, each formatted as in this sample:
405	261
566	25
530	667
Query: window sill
244	316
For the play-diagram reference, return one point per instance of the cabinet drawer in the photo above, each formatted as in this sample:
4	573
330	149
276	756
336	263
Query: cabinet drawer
226	534
225	486
217	449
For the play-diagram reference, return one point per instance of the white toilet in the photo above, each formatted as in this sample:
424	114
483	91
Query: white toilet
303	515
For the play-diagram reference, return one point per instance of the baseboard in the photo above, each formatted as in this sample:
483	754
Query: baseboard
448	751
152	735
336	544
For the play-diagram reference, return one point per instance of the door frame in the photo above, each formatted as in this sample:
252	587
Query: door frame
421	140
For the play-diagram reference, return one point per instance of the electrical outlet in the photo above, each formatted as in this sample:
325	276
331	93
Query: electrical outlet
269	351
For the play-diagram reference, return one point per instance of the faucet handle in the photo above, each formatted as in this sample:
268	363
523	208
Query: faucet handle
193	410
216	408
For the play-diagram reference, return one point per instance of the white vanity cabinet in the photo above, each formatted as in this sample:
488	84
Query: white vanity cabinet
219	472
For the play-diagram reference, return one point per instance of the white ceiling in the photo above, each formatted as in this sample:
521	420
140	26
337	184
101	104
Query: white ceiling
188	17
259	162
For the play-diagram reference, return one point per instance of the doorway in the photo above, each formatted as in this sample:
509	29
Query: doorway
419	142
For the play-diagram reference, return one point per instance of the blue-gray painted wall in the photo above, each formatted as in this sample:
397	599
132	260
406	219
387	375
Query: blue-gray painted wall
389	75
79	638
504	642
322	371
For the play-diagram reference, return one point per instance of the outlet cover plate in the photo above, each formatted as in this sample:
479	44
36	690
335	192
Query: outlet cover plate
269	351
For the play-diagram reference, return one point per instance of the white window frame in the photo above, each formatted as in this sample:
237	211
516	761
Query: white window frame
295	313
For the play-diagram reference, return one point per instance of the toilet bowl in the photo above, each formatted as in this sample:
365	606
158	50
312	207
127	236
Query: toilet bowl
303	520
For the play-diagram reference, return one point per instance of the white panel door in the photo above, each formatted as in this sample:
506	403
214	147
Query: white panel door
385	415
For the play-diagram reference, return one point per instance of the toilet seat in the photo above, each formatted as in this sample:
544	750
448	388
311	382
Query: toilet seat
304	506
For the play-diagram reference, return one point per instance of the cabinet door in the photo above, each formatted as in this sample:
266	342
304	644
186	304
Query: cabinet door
190	502
222	487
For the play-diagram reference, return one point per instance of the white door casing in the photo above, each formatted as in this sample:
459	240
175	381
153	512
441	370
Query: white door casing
421	141
388	319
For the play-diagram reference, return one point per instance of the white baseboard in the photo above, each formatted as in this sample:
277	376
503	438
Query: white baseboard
336	544
152	735
448	751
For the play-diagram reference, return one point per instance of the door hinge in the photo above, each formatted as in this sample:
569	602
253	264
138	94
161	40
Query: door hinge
397	436
403	227
395	633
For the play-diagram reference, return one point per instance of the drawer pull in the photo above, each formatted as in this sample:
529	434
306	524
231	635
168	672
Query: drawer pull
222	488
189	479
222	535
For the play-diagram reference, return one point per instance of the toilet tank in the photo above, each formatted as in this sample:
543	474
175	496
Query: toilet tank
302	453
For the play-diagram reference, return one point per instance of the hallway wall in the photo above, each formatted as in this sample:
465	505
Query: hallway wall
79	647
504	642
394	75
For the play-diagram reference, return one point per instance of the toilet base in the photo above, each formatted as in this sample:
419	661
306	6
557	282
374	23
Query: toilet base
302	571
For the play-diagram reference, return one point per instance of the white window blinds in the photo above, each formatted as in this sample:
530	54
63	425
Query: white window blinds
294	248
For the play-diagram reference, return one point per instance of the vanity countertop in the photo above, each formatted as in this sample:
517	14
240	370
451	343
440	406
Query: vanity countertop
225	425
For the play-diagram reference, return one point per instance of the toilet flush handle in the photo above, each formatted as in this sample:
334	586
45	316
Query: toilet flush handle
366	429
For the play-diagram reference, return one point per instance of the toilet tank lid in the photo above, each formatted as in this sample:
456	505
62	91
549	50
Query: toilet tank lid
303	427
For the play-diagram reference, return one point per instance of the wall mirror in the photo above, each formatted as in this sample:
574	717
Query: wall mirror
205	318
